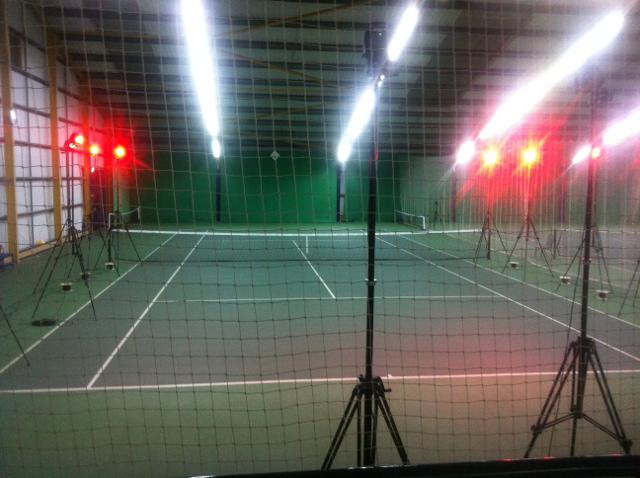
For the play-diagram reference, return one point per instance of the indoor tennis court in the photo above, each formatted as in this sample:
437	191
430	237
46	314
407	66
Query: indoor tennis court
348	250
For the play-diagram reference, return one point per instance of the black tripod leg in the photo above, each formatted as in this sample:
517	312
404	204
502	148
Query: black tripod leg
504	248
44	288
605	391
483	235
14	334
104	245
110	252
554	395
86	283
352	406
133	244
626	295
575	256
544	255
515	244
381	401
59	243
600	253
76	248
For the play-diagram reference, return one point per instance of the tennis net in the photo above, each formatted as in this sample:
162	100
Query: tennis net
233	246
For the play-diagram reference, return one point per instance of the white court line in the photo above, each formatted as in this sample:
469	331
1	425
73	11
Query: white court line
591	279
57	327
137	322
246	383
633	357
314	270
346	232
292	299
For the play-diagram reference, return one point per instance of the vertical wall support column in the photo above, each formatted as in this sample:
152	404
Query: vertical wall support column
52	69
9	153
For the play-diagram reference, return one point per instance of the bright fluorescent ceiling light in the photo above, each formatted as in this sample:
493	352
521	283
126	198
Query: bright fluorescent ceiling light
361	114
523	101
200	55
215	146
466	152
582	154
344	150
403	32
622	129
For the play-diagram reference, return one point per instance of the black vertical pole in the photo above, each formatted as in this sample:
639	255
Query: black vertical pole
70	218
339	191
218	192
454	193
583	348
369	417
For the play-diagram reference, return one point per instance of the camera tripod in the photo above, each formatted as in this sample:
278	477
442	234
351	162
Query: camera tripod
582	353
68	235
368	396
117	224
485	235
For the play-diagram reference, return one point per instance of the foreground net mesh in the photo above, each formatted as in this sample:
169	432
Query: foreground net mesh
169	313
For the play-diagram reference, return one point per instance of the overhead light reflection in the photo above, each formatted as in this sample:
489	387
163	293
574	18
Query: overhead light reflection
403	32
525	99
200	56
623	129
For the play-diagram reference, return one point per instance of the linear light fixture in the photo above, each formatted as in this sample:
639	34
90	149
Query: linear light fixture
466	152
525	99
623	129
365	104
202	66
361	114
582	154
403	32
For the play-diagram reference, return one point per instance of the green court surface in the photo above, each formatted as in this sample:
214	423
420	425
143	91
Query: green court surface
206	346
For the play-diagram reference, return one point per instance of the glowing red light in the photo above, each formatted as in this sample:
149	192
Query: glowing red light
120	152
490	157
74	142
595	152
94	149
530	156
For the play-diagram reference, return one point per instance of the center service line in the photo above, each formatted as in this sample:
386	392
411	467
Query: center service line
314	270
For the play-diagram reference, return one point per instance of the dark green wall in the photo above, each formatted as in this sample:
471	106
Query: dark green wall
180	189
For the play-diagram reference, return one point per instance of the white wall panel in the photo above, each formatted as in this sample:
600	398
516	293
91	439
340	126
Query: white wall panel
38	95
43	227
35	192
21	158
38	190
21	130
40	163
25	233
19	88
23	197
36	62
